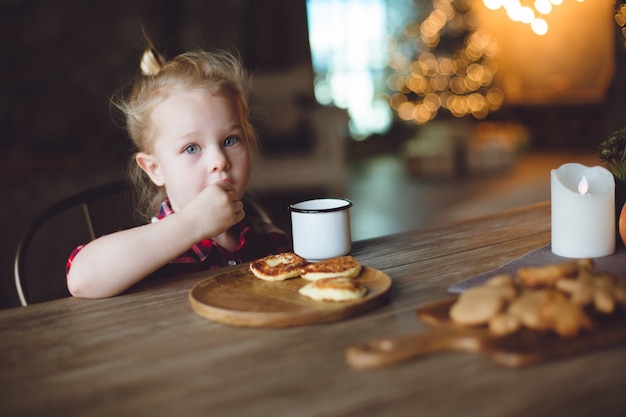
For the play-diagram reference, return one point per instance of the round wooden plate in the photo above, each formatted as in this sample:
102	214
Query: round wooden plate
239	298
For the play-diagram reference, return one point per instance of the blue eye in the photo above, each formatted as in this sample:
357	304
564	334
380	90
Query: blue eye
231	141
192	149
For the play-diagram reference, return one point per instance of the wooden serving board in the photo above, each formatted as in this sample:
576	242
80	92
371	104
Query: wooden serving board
523	348
239	298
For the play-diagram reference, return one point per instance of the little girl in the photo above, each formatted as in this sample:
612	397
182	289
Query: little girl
188	119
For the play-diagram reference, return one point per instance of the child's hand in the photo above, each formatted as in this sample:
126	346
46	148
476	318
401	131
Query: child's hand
214	210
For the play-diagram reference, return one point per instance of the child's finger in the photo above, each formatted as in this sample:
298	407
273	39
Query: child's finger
226	186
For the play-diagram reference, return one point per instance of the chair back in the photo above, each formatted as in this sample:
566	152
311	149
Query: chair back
42	253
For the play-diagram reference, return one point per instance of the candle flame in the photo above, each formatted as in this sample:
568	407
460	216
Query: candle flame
583	186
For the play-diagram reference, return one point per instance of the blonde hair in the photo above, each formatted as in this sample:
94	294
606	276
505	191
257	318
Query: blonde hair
213	72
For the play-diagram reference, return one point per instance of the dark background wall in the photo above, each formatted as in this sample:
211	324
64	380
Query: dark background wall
63	60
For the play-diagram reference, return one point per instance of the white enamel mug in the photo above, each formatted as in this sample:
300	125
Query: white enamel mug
321	228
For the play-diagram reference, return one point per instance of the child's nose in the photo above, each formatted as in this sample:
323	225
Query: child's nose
219	162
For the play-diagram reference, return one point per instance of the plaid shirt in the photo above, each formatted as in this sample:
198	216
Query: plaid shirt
256	239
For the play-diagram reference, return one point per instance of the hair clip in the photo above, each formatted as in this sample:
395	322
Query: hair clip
151	62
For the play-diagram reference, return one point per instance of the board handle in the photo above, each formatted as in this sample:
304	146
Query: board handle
392	350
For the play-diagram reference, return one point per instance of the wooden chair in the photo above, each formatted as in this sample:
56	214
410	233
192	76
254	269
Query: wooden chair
39	264
42	253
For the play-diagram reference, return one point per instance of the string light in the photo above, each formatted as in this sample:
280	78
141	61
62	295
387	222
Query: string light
527	14
459	82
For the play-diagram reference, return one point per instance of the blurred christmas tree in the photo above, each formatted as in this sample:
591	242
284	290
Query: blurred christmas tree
441	62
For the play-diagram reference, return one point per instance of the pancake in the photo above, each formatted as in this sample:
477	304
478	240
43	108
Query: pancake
343	266
333	289
278	267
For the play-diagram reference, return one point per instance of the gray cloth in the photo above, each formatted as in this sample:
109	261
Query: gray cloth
615	264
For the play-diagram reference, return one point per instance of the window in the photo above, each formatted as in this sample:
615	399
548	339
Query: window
348	40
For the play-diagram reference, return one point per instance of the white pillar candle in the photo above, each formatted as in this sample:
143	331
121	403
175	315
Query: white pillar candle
583	211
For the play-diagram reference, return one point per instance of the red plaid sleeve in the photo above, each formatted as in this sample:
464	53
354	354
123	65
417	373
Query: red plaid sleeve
68	265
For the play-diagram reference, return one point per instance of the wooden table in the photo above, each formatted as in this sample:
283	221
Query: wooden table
148	353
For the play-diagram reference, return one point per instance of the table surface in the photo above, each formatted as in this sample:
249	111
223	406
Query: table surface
148	353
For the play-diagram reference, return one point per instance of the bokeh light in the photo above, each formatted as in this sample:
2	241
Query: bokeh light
457	81
527	14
